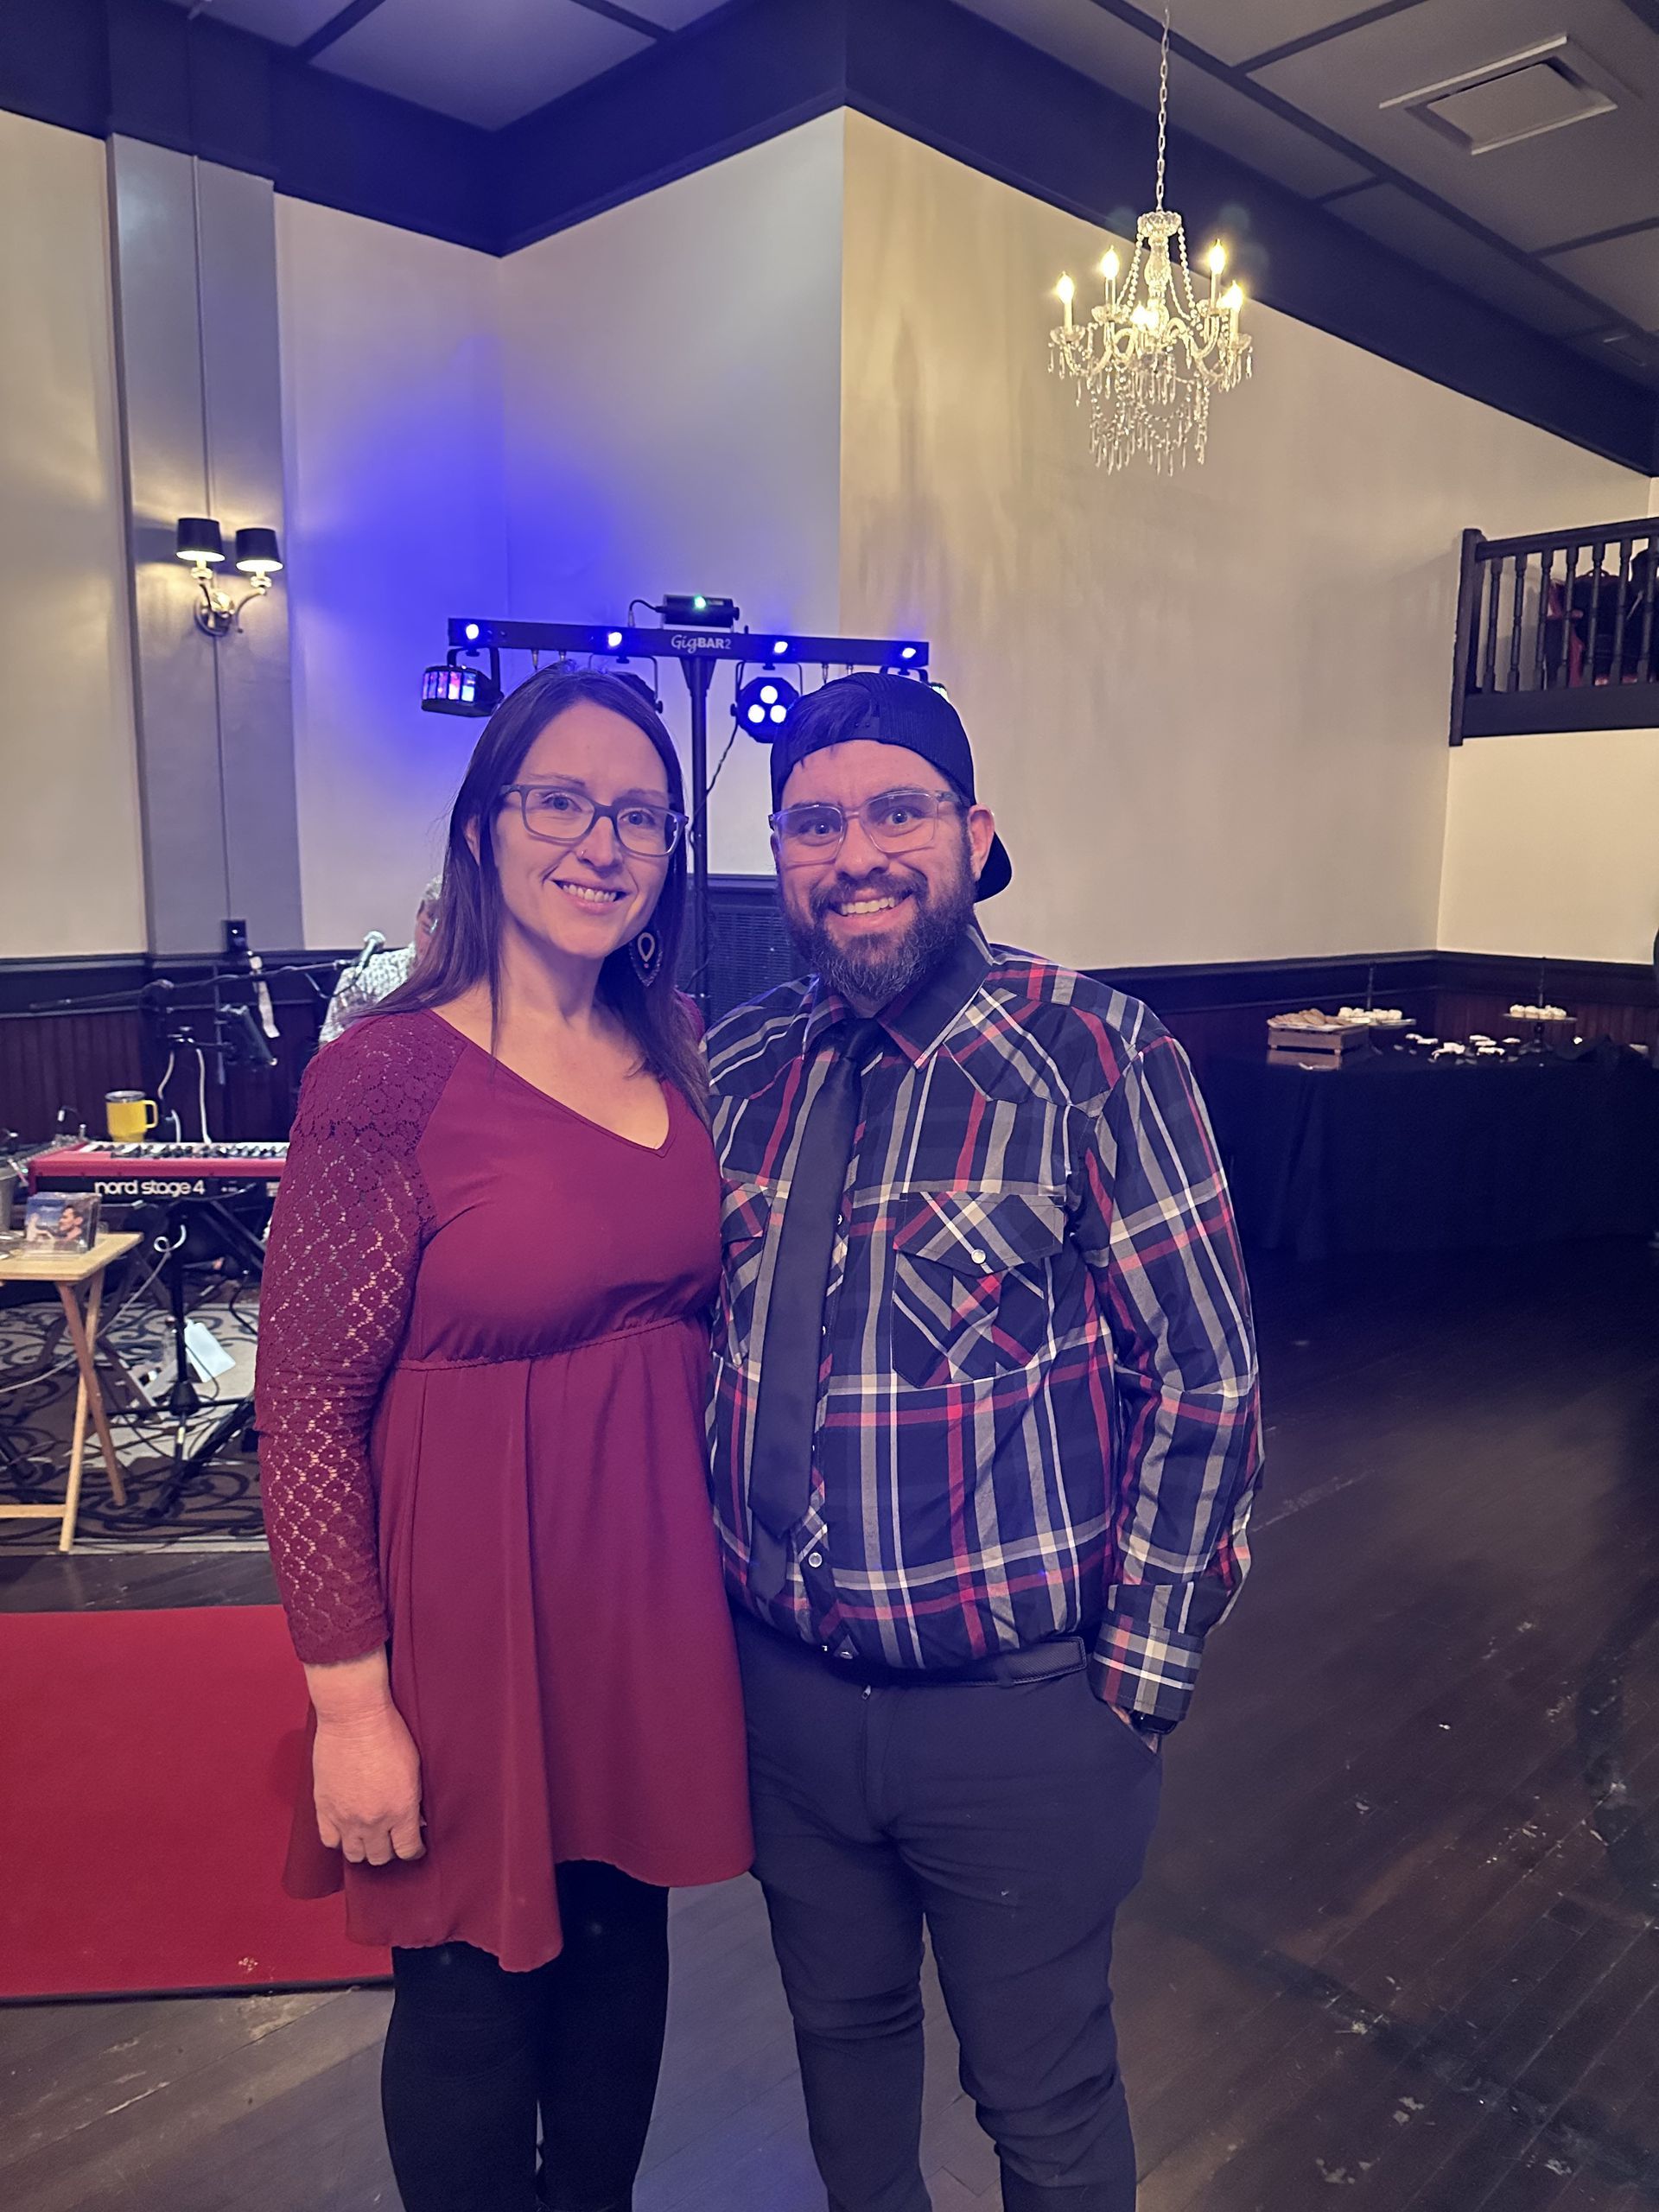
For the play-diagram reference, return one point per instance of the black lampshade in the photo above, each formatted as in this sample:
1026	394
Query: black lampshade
199	541
256	553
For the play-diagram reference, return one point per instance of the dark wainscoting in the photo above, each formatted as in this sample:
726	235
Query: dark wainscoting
1615	999
56	1062
63	1060
1220	1012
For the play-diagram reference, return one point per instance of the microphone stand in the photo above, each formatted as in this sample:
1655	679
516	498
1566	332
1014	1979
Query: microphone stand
210	1022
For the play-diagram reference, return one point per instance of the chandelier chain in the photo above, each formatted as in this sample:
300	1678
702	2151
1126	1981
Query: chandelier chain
1163	104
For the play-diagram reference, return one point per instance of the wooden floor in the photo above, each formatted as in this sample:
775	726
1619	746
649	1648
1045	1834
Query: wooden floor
1397	1948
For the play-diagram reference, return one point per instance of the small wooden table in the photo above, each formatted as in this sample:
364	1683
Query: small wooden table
73	1273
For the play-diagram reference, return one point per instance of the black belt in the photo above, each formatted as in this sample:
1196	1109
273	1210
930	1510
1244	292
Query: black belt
1036	1662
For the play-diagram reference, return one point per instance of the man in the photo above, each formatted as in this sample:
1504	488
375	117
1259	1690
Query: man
375	976
985	1437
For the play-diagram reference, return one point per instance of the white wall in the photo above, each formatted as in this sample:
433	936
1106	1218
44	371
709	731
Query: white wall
1552	846
392	383
672	419
1211	712
72	880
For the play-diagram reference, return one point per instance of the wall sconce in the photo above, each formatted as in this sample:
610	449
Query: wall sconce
200	541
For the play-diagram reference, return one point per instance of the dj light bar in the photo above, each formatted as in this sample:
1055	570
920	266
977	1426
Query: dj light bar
763	648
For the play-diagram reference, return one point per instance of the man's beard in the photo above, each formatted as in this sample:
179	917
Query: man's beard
876	974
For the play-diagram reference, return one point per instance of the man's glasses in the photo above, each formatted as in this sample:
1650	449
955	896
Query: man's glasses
897	821
559	816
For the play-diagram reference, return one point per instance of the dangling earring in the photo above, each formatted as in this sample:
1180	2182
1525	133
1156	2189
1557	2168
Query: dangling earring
647	953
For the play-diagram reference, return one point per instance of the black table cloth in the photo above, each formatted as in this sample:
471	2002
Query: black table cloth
1392	1154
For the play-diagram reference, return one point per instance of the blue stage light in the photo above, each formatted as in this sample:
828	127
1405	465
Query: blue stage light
612	638
454	687
471	632
762	705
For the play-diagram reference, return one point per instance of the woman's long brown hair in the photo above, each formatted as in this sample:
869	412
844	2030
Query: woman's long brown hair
466	944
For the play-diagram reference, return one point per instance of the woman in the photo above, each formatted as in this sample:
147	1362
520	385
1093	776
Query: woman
480	1395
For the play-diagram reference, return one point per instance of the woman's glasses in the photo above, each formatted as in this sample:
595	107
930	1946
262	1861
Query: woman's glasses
560	815
897	821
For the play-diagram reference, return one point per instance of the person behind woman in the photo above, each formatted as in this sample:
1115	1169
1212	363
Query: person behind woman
482	1373
378	975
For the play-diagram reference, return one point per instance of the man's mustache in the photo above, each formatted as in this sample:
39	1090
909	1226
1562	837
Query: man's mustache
890	882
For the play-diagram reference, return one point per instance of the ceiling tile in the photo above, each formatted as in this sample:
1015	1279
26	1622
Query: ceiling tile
489	65
1095	44
1394	219
1591	176
1238	30
287	22
672	14
1623	272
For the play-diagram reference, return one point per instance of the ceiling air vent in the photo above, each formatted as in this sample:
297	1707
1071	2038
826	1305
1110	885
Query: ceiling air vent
1544	88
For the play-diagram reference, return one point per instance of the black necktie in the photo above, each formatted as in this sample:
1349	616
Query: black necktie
791	1352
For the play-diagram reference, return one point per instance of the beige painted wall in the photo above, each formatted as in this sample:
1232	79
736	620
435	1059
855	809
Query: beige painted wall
672	417
1211	712
72	879
391	380
1552	842
1552	846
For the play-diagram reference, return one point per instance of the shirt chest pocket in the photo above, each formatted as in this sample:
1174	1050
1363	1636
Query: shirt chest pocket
746	1214
972	1290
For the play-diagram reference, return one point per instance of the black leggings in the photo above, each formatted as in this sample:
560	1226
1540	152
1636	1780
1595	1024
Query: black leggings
473	2052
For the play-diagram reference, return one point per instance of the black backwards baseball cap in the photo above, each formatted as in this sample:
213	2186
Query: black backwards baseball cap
902	710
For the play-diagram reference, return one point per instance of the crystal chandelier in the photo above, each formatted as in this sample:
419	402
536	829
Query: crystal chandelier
1150	355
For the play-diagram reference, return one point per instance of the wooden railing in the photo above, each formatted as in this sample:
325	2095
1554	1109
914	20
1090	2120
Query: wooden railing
1559	631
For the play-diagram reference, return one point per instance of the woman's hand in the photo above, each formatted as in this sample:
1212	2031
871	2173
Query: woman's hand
366	1770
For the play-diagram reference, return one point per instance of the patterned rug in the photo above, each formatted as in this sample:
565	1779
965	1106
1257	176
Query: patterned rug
219	1506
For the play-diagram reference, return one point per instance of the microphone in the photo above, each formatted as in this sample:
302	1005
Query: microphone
262	993
374	943
258	1051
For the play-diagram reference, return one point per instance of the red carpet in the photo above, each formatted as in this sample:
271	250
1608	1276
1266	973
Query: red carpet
147	1774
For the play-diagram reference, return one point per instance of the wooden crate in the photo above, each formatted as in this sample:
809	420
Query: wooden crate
1316	1044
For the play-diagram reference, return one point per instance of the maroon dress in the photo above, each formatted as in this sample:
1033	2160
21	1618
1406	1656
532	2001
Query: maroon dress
482	1390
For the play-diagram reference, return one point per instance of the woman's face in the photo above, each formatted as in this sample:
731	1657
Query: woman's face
588	894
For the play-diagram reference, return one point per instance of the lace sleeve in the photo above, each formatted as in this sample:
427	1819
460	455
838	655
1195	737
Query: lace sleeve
345	1239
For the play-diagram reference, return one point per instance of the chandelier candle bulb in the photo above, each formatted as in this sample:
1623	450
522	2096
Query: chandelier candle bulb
1065	290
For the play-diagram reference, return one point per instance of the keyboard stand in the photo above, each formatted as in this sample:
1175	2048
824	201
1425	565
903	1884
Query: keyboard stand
184	1401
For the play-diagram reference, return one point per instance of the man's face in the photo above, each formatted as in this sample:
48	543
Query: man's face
871	922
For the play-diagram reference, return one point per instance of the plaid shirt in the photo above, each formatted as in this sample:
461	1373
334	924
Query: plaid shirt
1038	1411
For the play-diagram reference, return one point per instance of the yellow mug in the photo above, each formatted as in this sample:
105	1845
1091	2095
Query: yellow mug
129	1116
